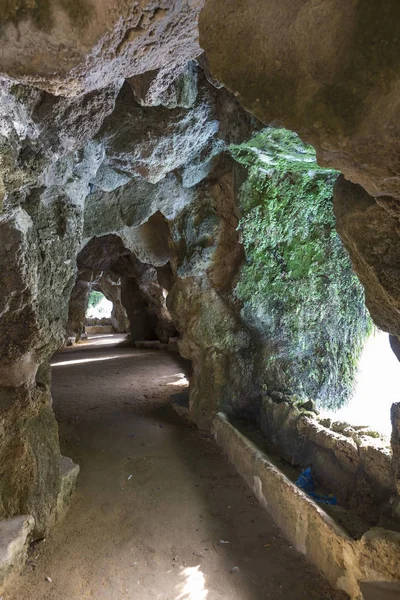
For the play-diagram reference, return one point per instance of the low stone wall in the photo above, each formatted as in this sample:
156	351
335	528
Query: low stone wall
345	562
355	467
95	321
172	345
93	329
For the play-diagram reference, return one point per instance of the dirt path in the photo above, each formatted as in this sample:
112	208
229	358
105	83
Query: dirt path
154	498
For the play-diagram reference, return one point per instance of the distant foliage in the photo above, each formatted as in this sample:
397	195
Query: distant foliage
94	299
297	286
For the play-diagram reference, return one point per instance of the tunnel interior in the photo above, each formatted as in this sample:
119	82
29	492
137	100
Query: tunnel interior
227	177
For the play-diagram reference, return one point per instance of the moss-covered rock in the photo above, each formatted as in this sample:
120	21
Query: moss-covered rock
297	286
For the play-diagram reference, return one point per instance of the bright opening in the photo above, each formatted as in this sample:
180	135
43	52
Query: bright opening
98	306
377	387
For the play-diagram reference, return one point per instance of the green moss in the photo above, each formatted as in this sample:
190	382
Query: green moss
297	286
95	298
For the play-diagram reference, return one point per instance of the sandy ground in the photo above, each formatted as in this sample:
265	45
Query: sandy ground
156	502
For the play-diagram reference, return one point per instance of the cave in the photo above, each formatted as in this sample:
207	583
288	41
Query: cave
225	176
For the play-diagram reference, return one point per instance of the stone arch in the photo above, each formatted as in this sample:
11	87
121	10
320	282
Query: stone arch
107	261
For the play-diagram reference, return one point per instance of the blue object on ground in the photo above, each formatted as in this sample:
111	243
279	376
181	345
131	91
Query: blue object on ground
306	483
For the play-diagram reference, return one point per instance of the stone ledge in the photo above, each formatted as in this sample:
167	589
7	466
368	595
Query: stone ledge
14	539
345	562
69	472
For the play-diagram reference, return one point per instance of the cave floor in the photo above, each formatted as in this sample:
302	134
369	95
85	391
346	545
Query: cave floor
155	497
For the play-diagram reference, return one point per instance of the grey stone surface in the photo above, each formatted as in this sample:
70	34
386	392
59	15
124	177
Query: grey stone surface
14	538
69	472
68	49
359	473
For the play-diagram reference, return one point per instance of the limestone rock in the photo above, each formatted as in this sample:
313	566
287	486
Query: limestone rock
69	49
395	442
141	294
66	124
105	282
331	73
14	538
344	449
171	87
377	464
152	142
29	470
78	305
110	285
360	476
69	472
132	205
150	242
370	235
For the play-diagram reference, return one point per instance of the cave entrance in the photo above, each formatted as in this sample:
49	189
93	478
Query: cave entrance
98	314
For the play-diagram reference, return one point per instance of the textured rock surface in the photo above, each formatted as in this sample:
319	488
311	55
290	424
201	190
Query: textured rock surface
329	72
395	415
45	169
151	142
141	293
78	304
69	48
69	472
108	284
171	86
14	538
370	234
207	258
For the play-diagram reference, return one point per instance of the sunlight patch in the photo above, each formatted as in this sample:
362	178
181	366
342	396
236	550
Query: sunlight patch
82	360
182	381
193	587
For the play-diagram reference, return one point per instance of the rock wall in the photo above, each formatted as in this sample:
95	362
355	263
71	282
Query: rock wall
78	304
331	73
206	263
110	285
79	46
41	224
